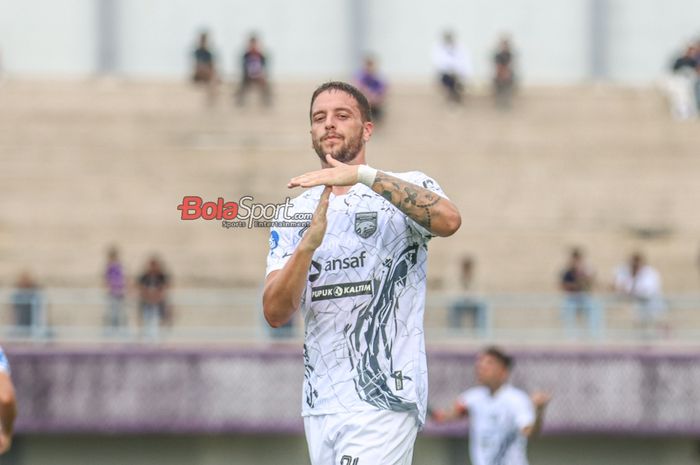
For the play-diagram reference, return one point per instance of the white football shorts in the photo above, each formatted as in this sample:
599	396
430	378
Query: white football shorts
361	438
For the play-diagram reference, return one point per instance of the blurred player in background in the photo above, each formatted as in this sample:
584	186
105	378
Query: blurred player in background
8	405
358	274
501	417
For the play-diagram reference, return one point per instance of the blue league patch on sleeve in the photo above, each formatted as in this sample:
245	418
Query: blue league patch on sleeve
4	364
274	240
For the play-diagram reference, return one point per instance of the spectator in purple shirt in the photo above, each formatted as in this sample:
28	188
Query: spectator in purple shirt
115	282
374	87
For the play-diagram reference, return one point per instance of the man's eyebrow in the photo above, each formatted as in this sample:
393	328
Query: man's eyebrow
341	108
348	109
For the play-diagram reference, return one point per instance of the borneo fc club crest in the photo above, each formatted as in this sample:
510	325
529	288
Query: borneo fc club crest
365	224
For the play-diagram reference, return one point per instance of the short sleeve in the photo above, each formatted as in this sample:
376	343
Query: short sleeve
282	244
4	364
524	411
421	179
289	227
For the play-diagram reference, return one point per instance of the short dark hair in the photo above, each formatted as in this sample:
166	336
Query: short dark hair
354	92
505	359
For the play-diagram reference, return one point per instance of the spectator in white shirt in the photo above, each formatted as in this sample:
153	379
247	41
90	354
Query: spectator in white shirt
453	66
642	283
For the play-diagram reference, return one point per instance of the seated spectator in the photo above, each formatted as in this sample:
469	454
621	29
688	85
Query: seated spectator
374	87
469	303
697	76
27	301
153	286
682	85
577	282
504	74
642	283
453	67
254	73
205	67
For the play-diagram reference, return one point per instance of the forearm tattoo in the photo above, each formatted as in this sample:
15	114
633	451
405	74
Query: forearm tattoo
414	201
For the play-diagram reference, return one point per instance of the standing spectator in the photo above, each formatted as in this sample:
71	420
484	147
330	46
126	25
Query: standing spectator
468	303
642	283
453	66
374	87
115	282
28	304
8	404
254	72
205	67
153	288
576	281
504	74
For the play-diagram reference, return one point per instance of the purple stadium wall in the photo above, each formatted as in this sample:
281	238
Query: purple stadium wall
143	390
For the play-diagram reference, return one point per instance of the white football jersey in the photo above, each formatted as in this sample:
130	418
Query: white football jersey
363	304
496	423
4	364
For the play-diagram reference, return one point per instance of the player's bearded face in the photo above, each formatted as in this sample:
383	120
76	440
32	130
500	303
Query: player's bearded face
344	147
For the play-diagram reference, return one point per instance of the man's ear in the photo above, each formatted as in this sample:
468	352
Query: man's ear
368	127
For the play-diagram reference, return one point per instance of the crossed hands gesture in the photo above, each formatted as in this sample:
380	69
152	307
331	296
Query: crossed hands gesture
339	174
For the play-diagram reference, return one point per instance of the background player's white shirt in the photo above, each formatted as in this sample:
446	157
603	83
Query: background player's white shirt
496	423
4	364
363	304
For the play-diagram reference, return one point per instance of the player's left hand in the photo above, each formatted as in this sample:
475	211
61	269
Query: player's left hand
540	399
338	174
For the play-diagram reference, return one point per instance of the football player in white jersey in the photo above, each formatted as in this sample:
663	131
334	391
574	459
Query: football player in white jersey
8	405
501	417
357	273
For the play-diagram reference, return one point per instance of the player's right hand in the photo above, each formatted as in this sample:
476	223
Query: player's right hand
314	235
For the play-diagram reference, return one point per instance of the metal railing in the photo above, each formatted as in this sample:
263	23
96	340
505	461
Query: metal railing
211	315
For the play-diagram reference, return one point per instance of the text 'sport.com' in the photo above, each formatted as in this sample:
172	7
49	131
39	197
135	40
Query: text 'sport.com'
245	213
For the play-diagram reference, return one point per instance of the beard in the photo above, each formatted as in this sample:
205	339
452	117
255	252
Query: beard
344	153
